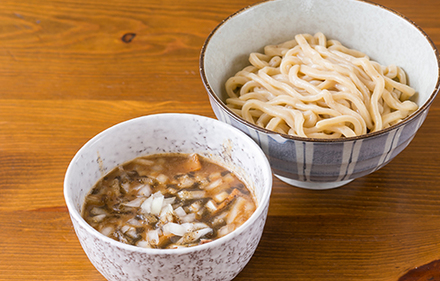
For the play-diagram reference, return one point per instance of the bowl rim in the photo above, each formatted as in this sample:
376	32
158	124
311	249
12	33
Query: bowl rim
262	204
422	108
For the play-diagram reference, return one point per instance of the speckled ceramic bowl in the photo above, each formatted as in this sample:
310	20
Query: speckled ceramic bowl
221	259
383	34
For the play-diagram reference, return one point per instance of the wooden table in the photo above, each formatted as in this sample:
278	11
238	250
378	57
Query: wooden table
70	69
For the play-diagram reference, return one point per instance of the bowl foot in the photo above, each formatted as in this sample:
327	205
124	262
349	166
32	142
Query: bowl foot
313	185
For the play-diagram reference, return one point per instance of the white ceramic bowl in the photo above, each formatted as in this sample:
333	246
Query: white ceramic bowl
383	34
221	259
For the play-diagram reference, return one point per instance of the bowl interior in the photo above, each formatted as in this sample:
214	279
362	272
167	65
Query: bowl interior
382	34
164	133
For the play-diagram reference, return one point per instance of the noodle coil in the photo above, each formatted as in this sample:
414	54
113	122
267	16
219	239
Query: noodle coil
317	88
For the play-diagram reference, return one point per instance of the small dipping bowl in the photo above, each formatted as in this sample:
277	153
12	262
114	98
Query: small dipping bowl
383	34
221	259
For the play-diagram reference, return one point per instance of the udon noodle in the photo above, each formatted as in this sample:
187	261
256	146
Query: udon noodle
317	88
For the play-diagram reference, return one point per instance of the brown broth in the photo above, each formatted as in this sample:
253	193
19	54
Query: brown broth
168	201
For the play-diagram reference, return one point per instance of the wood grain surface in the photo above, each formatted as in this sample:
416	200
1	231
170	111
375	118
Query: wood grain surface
72	68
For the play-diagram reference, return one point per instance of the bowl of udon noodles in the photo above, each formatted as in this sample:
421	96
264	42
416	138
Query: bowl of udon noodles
330	90
169	197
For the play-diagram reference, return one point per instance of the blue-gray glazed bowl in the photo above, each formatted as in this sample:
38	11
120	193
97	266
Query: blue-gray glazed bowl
385	35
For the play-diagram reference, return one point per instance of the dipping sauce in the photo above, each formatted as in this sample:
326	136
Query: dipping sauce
168	201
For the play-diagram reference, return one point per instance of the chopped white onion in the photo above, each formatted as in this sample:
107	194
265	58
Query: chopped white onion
146	206
173	228
214	176
98	211
169	200
201	211
125	228
201	232
225	230
157	194
199	225
211	206
134	222
145	190
162	178
126	186
180	212
191	236
185	181
194	207
214	184
143	244
167	209
220	197
185	194
219	219
174	246
188	226
188	218
157	168
131	232
194	226
107	230
99	218
153	236
134	203
156	205
228	178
